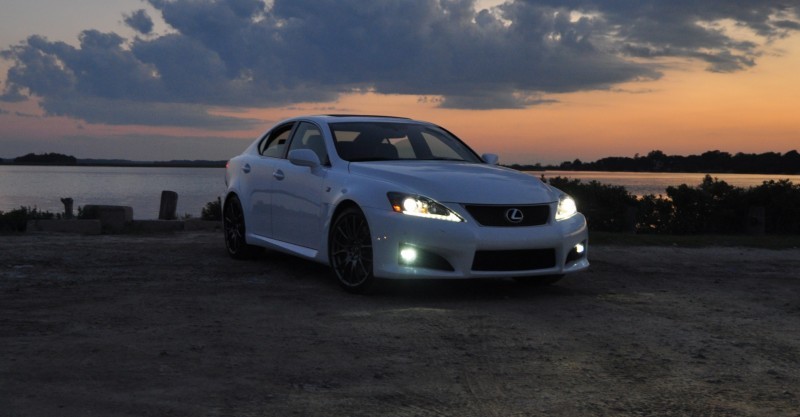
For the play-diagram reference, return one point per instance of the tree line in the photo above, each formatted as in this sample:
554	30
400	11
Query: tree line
61	160
712	207
46	159
711	161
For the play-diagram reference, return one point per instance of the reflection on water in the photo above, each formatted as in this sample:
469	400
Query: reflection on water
643	183
139	188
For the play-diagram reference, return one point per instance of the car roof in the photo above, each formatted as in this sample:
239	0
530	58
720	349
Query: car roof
336	118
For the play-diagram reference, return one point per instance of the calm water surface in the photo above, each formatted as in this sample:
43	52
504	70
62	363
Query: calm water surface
141	188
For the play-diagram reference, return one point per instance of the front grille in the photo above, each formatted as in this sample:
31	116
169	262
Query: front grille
498	216
514	260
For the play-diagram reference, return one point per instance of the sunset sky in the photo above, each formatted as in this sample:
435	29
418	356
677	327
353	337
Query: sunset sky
533	81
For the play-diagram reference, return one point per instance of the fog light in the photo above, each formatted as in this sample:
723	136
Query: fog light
577	252
408	255
579	248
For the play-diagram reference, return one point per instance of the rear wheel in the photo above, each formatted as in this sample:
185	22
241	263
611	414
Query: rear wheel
233	226
350	251
539	281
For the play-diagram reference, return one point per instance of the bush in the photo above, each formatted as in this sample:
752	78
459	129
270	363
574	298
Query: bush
781	202
608	208
17	220
654	215
212	210
712	207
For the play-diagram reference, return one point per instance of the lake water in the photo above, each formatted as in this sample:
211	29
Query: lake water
141	188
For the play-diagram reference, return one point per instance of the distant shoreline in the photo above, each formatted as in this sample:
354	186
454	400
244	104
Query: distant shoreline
221	164
768	163
128	164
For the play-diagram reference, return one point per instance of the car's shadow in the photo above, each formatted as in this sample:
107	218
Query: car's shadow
318	275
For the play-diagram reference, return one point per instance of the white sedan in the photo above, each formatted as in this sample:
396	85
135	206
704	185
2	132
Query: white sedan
385	197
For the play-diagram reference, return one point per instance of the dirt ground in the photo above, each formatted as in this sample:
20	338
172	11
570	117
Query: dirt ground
168	325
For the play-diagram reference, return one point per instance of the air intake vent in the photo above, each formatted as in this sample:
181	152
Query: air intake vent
514	260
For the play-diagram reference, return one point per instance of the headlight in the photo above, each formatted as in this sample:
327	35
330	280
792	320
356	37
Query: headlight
415	205
566	208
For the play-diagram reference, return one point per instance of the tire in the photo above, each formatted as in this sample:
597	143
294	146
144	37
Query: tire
350	251
540	281
234	230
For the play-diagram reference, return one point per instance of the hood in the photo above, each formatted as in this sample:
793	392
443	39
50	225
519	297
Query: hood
459	182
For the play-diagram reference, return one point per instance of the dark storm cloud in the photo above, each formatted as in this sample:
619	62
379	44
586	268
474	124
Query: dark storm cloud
140	21
246	53
124	112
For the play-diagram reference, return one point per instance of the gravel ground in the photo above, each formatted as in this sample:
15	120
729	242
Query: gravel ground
147	325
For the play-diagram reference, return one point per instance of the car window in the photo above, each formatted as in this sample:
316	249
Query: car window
438	148
308	136
274	144
381	141
404	149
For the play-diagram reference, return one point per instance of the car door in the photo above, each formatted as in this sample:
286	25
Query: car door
260	180
297	192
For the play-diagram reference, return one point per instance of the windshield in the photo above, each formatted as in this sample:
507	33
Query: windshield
381	141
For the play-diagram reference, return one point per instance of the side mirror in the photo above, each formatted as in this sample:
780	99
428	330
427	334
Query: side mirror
490	158
304	158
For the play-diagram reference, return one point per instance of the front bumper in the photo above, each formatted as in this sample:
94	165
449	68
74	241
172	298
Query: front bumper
458	243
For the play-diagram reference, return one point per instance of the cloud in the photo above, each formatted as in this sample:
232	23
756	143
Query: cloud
129	146
250	53
125	112
139	21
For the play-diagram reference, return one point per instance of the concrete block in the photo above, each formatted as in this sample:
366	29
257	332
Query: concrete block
113	218
84	227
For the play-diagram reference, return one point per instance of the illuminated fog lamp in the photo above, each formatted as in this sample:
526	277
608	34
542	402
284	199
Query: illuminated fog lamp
408	255
579	248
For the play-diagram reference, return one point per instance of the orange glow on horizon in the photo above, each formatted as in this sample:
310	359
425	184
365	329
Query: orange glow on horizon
688	111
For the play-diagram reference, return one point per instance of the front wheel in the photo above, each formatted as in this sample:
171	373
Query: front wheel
350	251
233	227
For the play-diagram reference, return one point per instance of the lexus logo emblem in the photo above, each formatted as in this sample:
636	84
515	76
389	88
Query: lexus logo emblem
514	215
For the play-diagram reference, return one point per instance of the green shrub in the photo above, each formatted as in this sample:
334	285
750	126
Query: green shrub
606	207
17	220
212	210
712	207
781	202
654	215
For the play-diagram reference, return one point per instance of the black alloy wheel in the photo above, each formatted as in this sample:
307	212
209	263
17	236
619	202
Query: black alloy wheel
350	251
233	226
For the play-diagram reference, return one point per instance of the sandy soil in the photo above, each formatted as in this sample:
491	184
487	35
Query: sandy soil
170	326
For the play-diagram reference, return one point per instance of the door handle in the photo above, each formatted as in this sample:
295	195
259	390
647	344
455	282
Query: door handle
278	174
246	168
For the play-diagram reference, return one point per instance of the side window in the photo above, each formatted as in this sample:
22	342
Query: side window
308	136
274	144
